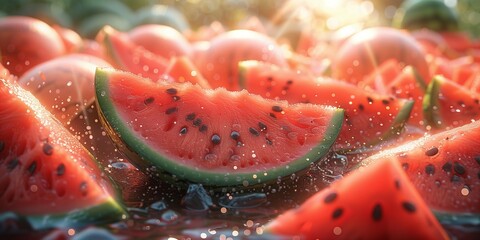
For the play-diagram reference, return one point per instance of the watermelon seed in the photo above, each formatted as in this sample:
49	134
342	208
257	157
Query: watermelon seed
370	100
2	146
149	100
61	169
455	178
203	128
409	207
269	142
262	126
361	107
197	122
171	91
171	110
183	130
253	131
458	168
330	197
32	167
405	166
430	169
431	152
447	167
277	109
47	149
397	184
273	115
269	78
190	117
385	102
12	164
83	188
235	135
377	212
478	174
215	139
337	213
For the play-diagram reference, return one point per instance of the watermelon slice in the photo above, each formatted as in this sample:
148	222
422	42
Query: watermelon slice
387	209
212	137
445	168
46	175
369	117
182	69
447	104
124	54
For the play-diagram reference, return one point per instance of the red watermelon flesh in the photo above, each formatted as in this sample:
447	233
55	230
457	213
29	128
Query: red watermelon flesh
182	69
444	167
214	137
369	117
378	202
45	173
124	54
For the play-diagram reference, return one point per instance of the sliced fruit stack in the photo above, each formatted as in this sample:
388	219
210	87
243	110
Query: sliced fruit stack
238	110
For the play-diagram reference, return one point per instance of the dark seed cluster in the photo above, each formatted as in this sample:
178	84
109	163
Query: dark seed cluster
47	149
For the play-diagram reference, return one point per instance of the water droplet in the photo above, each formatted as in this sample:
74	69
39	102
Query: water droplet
196	198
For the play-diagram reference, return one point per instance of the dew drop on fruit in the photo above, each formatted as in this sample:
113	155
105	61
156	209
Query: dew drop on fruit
169	216
158	206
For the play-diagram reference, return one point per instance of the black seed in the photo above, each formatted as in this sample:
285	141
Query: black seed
476	101
361	107
197	122
397	184
409	207
149	100
12	164
190	117
447	167
253	131
477	158
330	197
176	98
203	128
285	88
461	103
405	166
377	212
183	130
171	110
32	167
455	178
478	174
235	135
289	82
337	213
47	149
262	126
370	100
277	109
61	169
215	139
430	169
269	142
431	152
273	115
2	146
459	168
171	91
83	188
385	102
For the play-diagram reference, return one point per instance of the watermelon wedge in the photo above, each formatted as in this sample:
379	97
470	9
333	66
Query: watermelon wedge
360	206
46	175
369	117
445	169
447	104
212	137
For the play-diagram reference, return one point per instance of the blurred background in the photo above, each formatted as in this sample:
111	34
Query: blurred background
87	16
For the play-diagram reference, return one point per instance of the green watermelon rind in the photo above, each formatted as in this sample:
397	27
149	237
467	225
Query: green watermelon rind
457	218
430	104
108	211
431	14
149	156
